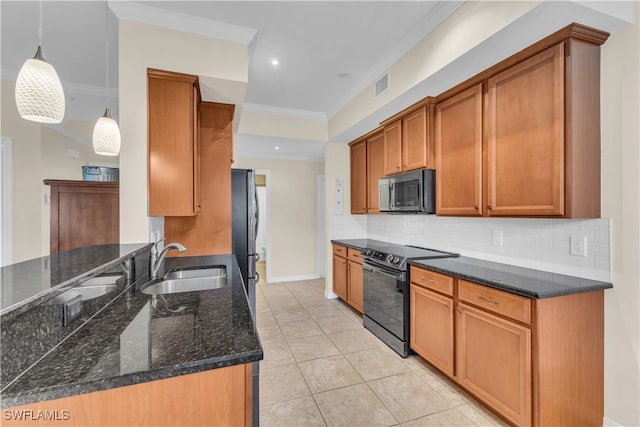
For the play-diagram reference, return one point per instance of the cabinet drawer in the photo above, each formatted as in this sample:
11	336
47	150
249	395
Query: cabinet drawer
340	250
432	280
354	255
504	303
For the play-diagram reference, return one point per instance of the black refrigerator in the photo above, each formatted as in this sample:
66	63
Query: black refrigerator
244	230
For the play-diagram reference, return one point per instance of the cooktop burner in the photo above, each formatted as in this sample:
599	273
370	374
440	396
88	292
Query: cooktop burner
396	256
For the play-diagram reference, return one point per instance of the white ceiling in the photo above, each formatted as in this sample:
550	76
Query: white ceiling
314	42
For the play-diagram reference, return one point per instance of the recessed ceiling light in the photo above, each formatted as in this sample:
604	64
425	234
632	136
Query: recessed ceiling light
274	62
344	75
277	148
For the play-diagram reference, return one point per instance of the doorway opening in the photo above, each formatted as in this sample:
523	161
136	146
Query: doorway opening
262	238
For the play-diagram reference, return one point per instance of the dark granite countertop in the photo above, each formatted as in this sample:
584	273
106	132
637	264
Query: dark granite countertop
137	338
517	280
26	284
362	243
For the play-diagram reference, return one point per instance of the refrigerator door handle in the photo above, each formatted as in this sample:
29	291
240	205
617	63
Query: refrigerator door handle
257	277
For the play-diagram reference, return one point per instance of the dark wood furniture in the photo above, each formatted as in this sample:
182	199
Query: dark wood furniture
83	213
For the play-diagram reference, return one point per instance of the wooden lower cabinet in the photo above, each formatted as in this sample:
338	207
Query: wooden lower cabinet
494	362
347	276
218	397
432	334
532	361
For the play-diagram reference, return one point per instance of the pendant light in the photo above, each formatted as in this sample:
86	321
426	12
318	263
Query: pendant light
106	134
39	94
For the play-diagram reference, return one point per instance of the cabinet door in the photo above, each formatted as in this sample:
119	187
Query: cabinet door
414	142
354	293
525	135
340	277
393	148
432	328
494	362
172	147
459	154
375	171
359	178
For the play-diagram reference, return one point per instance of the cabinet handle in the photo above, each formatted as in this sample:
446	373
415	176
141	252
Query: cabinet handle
428	280
481	298
459	311
475	207
447	305
489	207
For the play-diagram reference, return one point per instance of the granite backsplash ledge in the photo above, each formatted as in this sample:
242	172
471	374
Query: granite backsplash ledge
27	336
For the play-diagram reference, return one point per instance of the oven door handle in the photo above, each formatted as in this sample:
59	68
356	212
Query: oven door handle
368	267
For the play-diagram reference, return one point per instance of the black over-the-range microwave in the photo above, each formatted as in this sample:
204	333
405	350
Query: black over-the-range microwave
410	192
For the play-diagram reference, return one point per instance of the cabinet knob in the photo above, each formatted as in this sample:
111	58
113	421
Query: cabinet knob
489	207
475	207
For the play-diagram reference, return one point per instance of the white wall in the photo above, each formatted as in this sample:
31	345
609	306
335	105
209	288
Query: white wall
292	220
143	46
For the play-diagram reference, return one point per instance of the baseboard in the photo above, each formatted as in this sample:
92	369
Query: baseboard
608	422
330	295
293	278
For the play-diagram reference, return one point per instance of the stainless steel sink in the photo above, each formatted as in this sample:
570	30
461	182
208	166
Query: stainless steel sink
189	284
196	272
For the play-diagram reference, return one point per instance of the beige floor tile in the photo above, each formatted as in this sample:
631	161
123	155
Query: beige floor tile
328	310
355	340
276	352
262	307
296	412
281	383
312	348
356	405
269	333
480	416
377	363
338	323
302	291
329	373
300	329
313	301
408	397
265	318
286	316
450	417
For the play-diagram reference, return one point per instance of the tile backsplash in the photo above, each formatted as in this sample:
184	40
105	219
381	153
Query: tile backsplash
541	244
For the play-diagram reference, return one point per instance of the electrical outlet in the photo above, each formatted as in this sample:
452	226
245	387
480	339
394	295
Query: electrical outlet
496	237
578	245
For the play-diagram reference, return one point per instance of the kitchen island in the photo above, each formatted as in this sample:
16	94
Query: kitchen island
145	359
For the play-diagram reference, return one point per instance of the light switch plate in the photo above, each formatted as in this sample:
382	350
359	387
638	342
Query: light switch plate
496	237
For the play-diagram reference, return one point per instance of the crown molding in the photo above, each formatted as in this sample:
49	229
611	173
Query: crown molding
181	22
281	111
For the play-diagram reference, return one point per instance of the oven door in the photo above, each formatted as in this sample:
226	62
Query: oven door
386	299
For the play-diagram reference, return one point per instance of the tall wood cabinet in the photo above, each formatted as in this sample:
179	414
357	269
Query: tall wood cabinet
173	158
83	213
536	115
458	141
367	166
209	232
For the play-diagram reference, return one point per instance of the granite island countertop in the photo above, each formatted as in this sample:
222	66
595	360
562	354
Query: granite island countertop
137	338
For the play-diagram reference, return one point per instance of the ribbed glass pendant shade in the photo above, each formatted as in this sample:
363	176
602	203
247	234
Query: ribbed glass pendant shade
106	136
39	94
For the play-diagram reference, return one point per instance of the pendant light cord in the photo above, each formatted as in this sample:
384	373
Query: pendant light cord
106	57
40	28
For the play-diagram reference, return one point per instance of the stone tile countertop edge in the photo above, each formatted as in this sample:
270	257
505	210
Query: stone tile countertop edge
513	279
91	359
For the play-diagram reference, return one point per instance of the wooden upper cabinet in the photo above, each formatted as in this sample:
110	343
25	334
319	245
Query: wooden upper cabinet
408	139
359	177
525	137
173	160
458	141
375	170
393	148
